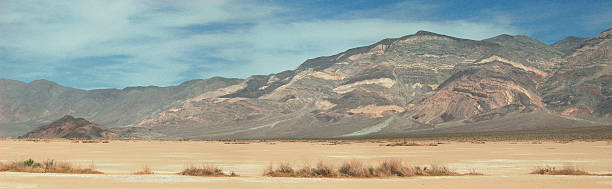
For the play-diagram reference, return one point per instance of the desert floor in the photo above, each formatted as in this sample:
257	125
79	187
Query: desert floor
505	164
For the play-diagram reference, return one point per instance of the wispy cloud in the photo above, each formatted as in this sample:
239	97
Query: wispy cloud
97	44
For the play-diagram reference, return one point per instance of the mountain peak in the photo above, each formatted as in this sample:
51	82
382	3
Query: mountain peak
67	118
503	37
423	32
514	39
569	44
428	33
43	82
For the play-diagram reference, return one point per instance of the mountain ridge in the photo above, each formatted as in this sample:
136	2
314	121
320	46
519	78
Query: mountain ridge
397	85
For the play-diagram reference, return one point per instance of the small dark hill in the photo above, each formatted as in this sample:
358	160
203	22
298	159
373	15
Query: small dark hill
72	128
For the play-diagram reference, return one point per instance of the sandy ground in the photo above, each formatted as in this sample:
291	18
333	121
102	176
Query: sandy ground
506	164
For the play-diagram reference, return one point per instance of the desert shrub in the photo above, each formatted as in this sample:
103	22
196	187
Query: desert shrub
324	170
206	170
145	170
394	168
48	166
357	169
436	170
284	170
562	171
473	172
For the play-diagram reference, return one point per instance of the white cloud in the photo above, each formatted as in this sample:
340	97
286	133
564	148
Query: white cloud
52	33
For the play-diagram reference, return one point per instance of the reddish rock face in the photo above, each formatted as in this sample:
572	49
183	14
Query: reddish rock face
73	128
485	92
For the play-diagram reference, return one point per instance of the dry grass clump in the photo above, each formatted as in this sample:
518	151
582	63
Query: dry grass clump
562	171
358	169
146	170
411	144
473	172
394	168
355	169
285	170
436	170
205	170
48	166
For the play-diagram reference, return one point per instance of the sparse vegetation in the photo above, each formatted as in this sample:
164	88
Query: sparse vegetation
562	171
88	141
411	144
473	172
236	143
561	134
436	170
358	169
334	142
567	170
48	166
559	171
285	170
146	170
205	170
355	169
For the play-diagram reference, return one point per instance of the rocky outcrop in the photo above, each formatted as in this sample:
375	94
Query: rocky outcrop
71	128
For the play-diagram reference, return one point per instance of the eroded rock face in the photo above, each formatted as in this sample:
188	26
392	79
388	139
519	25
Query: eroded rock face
582	86
71	128
483	92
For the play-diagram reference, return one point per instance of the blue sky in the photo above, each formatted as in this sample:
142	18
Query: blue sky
120	43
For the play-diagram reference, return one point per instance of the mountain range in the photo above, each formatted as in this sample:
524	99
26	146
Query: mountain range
417	84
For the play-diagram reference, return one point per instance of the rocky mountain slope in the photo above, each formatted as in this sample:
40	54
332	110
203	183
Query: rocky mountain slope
582	86
420	83
24	106
72	128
